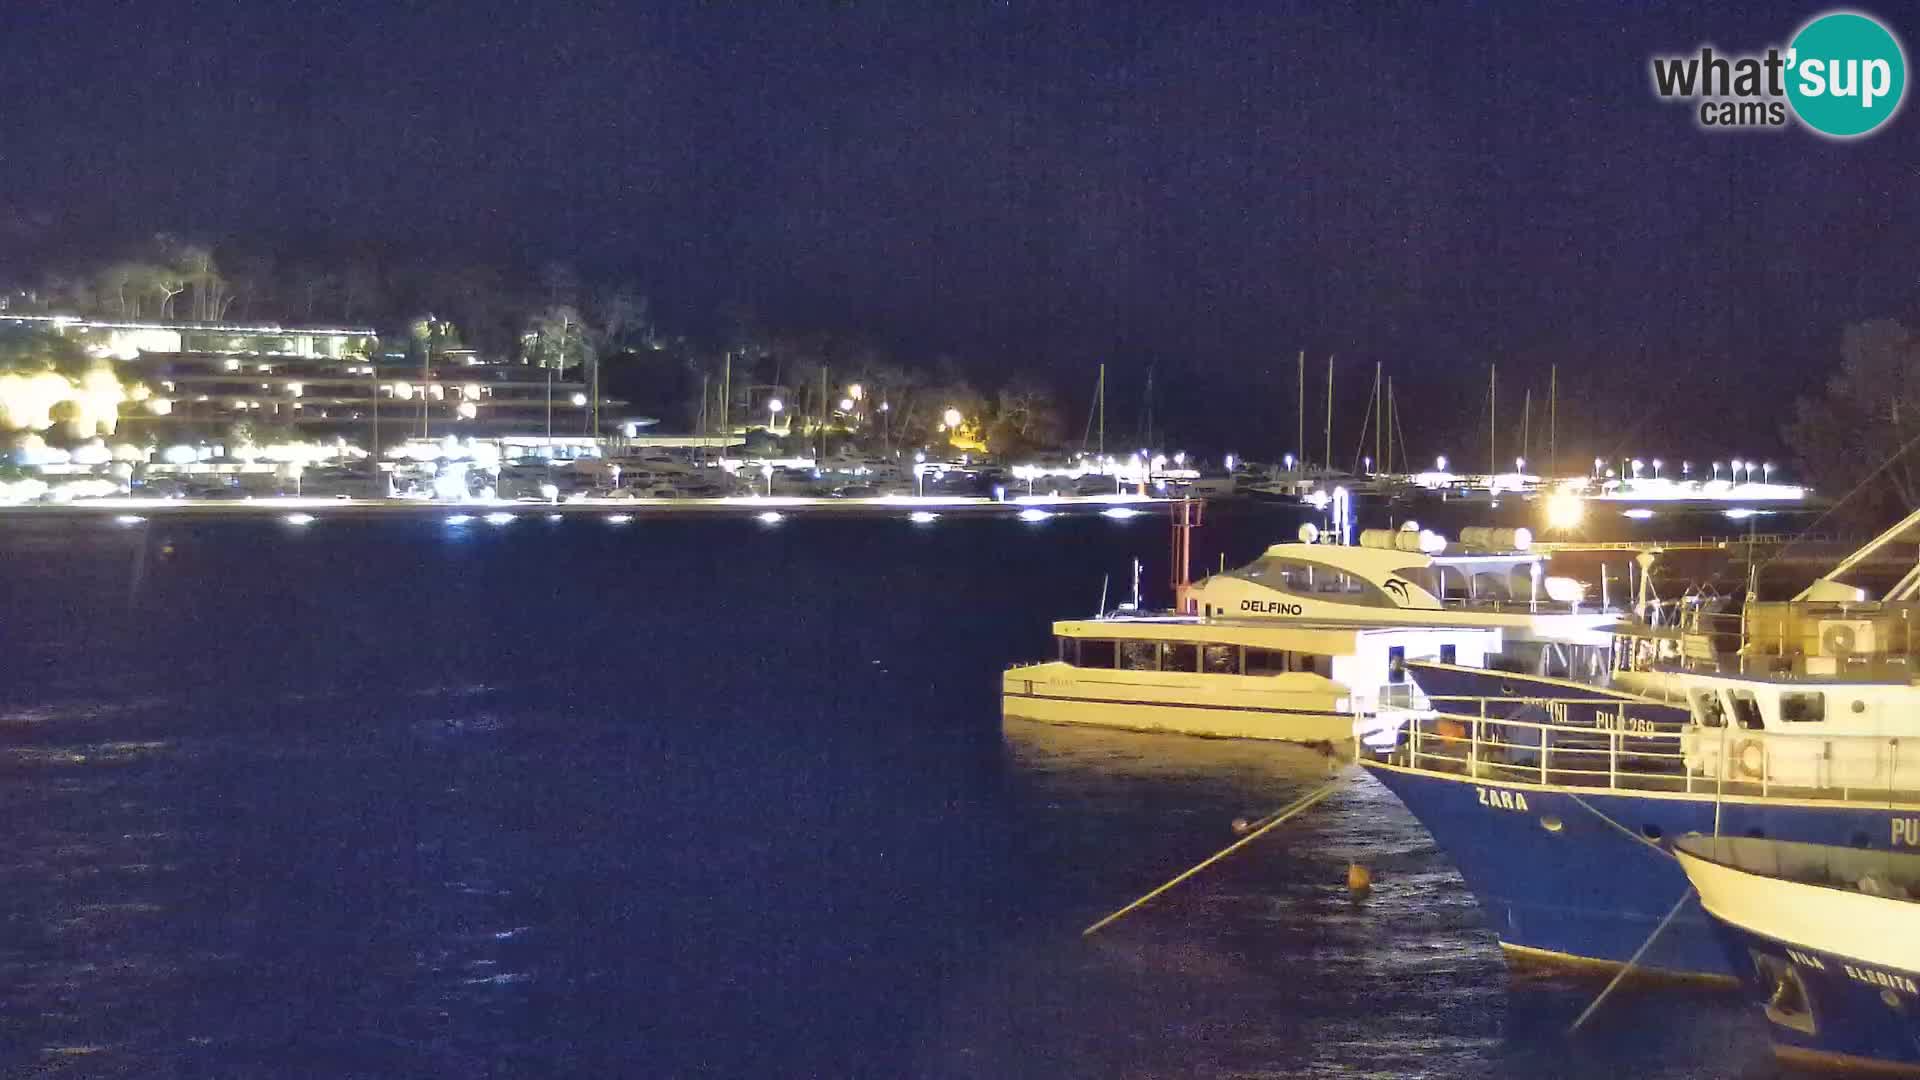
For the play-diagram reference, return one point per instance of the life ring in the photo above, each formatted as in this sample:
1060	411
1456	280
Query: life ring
1748	760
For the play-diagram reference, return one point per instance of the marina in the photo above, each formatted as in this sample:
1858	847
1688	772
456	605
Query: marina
1127	540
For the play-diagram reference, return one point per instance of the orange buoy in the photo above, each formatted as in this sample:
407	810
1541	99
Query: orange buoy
1359	878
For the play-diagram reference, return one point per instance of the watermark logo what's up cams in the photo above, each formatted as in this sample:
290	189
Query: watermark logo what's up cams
1843	76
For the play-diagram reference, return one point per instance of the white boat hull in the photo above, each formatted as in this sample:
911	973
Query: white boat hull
1289	708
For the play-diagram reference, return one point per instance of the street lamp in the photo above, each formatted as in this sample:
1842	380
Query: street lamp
1656	468
579	399
1288	460
953	418
1766	472
774	407
1636	465
1440	463
846	404
1598	464
1519	465
1716	470
1735	470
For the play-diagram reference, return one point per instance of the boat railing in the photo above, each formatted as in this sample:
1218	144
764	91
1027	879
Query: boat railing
1624	753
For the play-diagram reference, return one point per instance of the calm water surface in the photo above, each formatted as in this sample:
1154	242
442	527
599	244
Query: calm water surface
400	798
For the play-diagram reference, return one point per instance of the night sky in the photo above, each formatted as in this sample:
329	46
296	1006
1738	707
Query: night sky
1206	188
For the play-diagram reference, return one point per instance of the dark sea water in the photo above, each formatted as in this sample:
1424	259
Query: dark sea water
690	796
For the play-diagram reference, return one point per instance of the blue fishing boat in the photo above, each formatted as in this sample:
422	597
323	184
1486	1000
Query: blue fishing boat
1827	939
1565	834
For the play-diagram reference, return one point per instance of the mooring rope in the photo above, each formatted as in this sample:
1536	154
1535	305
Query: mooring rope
1273	821
1634	835
1632	963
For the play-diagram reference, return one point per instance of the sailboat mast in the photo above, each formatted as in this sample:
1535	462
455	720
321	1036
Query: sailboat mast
1100	393
1553	403
1389	468
1326	461
1379	416
1493	456
1300	413
1526	426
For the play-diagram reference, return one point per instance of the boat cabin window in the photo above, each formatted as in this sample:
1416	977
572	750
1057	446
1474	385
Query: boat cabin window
1746	710
1096	654
1449	653
1179	656
1220	660
1426	577
1266	662
1140	655
1066	649
1803	707
1706	706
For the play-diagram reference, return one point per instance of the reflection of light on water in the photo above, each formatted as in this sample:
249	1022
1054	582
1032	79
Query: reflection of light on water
1120	513
459	519
922	517
107	753
1034	515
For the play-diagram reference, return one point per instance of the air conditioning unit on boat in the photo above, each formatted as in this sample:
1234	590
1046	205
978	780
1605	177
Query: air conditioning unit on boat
1842	638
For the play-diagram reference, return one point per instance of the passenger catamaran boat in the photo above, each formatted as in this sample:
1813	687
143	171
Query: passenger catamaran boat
1827	940
1808	731
1308	643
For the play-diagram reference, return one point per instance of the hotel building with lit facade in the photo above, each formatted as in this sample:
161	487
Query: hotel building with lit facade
323	383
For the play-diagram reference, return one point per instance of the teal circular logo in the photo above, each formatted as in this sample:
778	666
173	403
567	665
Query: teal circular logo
1846	74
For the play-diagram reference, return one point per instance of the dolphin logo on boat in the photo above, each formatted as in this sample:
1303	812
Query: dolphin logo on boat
1396	588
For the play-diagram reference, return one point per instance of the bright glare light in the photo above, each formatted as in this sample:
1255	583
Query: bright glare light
619	519
459	519
1637	514
554	517
1440	463
549	492
1034	515
468	410
1740	513
771	517
128	519
846	404
1564	511
298	519
776	405
579	399
856	392
1120	513
499	518
952	417
922	517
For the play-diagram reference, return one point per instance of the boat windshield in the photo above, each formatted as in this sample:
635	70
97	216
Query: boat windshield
1301	578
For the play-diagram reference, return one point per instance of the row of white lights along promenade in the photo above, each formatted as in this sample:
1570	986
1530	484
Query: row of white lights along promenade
297	511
